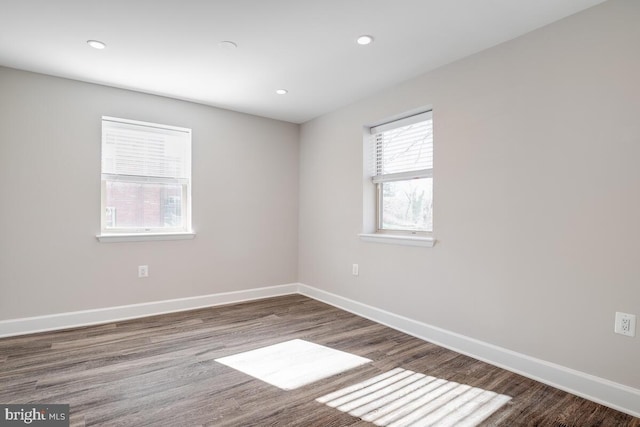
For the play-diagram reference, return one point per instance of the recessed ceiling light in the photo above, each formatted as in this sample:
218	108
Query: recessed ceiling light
282	91
363	40
96	44
227	44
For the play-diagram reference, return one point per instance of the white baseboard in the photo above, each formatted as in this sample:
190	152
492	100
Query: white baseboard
617	396
75	319
614	395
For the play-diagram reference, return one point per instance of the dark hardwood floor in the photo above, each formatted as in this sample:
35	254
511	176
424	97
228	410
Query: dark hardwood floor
160	371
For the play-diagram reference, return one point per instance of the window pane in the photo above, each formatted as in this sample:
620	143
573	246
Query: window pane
143	205
407	205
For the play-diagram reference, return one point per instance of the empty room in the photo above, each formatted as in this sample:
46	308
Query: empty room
319	213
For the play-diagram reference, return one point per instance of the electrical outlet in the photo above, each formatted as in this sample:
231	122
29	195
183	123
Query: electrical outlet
143	271
625	324
355	270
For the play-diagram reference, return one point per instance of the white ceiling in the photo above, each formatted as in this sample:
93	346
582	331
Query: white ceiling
170	47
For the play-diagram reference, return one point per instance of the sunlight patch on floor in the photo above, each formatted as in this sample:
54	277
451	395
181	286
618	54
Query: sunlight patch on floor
292	364
405	398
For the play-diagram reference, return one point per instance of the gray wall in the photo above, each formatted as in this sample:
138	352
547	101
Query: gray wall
245	203
537	196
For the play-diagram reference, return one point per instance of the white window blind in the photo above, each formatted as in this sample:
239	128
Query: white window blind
403	149
134	149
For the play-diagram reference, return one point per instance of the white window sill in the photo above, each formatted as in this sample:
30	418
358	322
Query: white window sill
397	239
143	237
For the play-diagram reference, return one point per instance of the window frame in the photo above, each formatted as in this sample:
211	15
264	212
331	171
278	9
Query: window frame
184	231
402	176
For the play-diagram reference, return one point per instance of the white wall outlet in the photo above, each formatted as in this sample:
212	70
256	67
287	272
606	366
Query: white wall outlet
355	270
143	271
625	324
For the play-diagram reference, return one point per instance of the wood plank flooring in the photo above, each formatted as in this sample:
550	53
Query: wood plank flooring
161	371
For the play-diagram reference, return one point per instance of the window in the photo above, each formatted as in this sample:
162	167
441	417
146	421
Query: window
403	174
146	178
